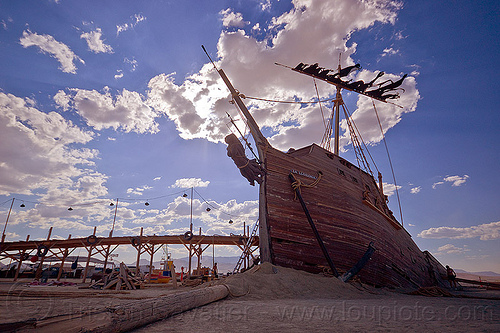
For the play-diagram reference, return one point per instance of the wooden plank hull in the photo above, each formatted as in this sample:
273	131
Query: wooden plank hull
349	212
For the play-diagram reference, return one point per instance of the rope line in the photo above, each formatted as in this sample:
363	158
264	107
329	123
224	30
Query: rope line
296	185
212	206
288	102
361	137
390	162
320	107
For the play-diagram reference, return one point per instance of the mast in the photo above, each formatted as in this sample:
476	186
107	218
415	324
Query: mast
261	143
338	100
260	139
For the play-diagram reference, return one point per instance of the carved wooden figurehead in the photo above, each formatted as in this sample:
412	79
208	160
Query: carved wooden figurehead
250	169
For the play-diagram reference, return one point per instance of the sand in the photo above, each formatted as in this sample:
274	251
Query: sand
277	299
268	298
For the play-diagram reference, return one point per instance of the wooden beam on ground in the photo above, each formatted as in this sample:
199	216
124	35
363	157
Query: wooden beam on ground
481	283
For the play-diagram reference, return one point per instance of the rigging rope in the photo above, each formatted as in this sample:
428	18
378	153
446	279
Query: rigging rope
298	183
320	107
362	141
390	162
289	102
243	136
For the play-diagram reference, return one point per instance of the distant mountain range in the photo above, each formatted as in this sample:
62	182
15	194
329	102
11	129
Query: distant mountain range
487	273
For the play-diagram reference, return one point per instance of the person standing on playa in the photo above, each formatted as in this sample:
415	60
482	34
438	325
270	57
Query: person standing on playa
450	273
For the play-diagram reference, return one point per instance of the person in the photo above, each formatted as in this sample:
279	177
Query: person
450	273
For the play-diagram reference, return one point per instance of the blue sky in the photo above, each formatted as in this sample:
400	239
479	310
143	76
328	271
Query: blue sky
102	100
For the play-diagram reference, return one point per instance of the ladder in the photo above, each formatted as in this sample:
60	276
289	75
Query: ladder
246	249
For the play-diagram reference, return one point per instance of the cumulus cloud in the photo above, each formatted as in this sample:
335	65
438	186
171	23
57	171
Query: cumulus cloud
389	114
488	231
95	42
190	182
232	19
176	216
454	180
313	31
47	44
125	111
37	149
390	189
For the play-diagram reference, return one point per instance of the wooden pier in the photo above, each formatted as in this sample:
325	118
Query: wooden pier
60	249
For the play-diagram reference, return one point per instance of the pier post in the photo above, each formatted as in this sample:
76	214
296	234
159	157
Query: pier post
39	269
91	247
23	252
65	255
138	253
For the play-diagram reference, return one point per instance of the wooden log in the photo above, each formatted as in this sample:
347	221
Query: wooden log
492	285
118	284
137	313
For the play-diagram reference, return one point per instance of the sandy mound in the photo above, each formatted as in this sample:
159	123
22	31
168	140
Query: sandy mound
267	281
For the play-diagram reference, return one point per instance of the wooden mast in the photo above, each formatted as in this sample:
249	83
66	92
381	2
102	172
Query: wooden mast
338	100
260	139
262	144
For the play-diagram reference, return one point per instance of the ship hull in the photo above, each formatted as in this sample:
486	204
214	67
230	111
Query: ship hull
348	210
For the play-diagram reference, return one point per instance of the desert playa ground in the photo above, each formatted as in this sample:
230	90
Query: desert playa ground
265	298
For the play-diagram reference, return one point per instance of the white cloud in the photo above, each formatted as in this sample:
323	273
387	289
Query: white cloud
451	249
437	184
95	42
119	74
47	44
4	24
390	189
313	31
126	111
265	5
488	231
190	182
138	190
232	19
389	51
157	178
39	152
454	180
416	189
132	63
136	19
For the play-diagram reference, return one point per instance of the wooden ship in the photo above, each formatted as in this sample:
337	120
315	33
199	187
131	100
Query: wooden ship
318	211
